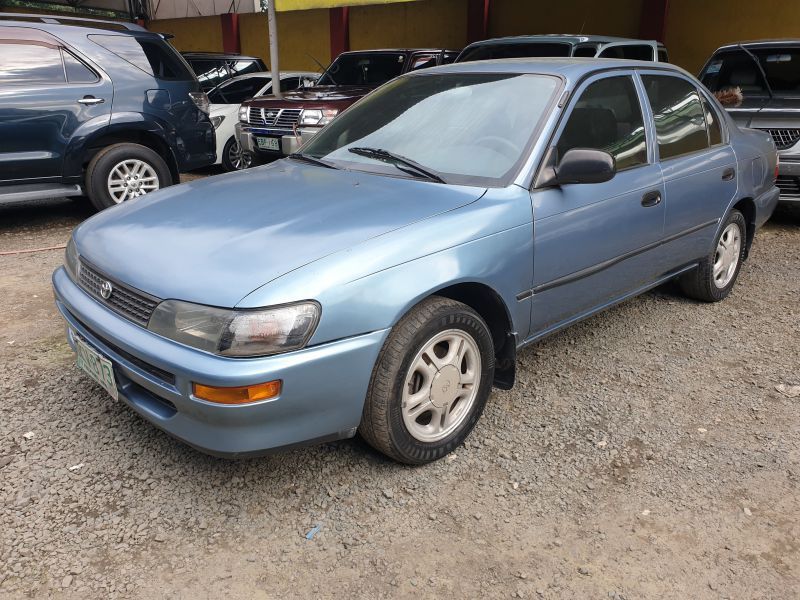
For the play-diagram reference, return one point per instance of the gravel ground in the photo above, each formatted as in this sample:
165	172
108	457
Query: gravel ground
646	453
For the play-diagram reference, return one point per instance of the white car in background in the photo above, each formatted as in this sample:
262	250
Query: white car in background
224	110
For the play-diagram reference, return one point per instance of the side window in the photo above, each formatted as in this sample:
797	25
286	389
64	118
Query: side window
585	51
155	58
629	52
449	57
608	117
290	83
77	72
662	55
422	61
210	73
680	122
240	67
712	122
30	64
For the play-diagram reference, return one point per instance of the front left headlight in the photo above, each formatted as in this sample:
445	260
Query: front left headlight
71	260
240	333
313	116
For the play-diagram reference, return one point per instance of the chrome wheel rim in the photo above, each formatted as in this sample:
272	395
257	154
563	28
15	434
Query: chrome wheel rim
441	385
726	257
237	157
131	178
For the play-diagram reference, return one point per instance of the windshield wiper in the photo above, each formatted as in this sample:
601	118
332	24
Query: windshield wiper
401	162
312	159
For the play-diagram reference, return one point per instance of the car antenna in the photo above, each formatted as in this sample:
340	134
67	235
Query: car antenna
760	68
319	64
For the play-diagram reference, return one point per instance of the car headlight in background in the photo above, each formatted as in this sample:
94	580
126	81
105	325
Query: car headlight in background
313	116
71	262
230	332
217	121
243	110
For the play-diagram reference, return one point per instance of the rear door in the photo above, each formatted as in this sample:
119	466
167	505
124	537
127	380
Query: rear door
595	243
698	163
49	96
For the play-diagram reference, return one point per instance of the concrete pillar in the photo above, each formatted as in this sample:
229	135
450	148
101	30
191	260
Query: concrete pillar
477	20
230	32
340	30
653	23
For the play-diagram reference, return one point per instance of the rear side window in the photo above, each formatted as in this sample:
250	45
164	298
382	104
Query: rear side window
585	51
678	113
629	52
608	117
77	72
153	56
663	56
30	64
533	50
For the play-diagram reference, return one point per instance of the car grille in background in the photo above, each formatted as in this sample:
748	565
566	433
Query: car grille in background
789	186
784	138
284	118
131	304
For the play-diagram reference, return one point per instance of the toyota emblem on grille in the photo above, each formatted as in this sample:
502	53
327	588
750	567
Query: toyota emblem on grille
106	289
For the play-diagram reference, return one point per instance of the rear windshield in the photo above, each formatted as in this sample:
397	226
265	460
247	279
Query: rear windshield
152	55
372	68
734	69
530	50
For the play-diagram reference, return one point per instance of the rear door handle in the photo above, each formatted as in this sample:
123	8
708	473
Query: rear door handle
728	174
91	100
651	199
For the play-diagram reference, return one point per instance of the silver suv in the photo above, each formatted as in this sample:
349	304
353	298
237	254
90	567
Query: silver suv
759	84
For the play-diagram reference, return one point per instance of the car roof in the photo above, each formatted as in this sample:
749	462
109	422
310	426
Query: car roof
56	23
564	38
195	54
570	68
761	44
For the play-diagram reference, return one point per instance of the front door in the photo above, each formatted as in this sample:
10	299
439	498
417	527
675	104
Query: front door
46	95
595	243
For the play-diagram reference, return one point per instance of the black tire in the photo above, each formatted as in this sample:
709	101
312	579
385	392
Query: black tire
226	162
382	424
104	161
699	283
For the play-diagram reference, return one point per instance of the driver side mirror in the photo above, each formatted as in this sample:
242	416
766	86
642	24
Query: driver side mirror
582	165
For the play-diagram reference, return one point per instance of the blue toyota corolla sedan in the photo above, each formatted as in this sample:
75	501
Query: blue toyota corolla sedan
383	280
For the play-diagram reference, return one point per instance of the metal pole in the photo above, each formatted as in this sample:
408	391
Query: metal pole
273	48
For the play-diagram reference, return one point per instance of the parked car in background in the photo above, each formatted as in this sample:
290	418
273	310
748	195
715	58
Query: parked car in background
273	127
759	85
384	280
554	45
212	68
101	108
225	100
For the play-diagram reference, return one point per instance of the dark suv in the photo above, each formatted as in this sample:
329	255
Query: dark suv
97	108
759	85
212	68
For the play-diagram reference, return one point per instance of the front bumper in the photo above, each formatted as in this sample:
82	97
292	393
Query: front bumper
323	386
289	142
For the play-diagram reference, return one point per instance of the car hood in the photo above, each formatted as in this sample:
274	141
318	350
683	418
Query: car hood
214	241
318	94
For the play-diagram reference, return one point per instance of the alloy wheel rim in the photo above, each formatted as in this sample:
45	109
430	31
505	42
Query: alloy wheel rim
726	257
237	157
441	385
131	178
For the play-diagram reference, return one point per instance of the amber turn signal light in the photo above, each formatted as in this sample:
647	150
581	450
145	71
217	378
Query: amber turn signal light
237	395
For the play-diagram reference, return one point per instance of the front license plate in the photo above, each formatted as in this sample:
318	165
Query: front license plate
96	366
265	143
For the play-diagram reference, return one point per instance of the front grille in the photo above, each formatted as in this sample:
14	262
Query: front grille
132	304
283	118
784	138
789	186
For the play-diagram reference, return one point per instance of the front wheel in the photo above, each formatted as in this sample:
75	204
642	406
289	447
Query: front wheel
716	274
233	157
124	171
430	383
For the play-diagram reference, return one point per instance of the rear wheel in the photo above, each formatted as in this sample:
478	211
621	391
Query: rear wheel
716	274
430	383
124	171
233	157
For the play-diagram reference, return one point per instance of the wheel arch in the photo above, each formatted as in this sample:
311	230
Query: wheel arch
493	310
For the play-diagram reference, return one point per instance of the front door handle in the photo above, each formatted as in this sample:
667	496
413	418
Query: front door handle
91	100
728	174
651	199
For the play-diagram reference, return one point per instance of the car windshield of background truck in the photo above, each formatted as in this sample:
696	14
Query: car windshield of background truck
736	69
471	128
369	68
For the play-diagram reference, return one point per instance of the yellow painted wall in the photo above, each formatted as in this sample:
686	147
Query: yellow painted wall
281	5
192	35
301	34
424	23
695	28
607	17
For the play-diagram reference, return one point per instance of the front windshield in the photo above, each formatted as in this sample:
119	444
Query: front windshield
236	91
736	70
515	50
472	128
368	68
